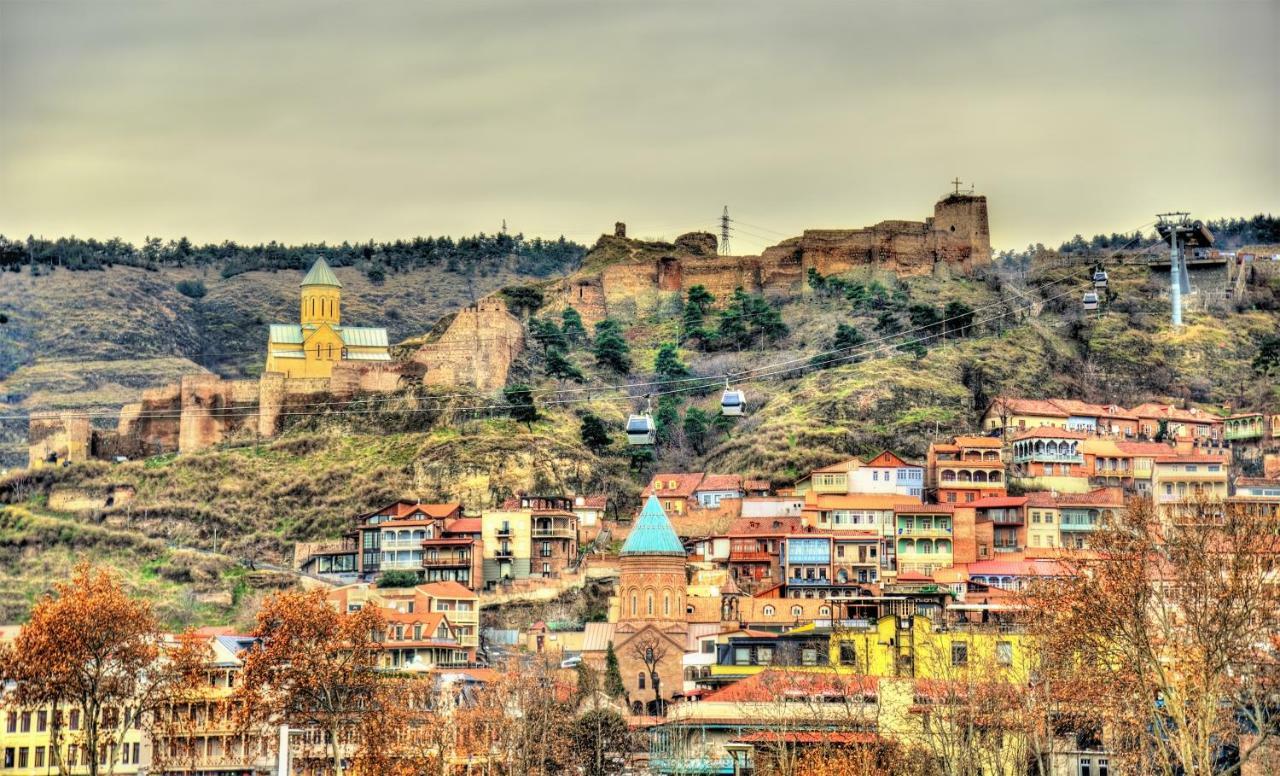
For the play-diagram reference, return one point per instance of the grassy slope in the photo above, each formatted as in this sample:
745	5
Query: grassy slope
95	339
308	484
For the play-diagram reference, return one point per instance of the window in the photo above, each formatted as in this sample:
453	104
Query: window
768	611
708	647
26	722
1035	518
1048	518
960	654
75	719
796	611
39	759
824	611
22	757
848	654
1004	653
1103	766
951	498
640	680
1086	768
742	656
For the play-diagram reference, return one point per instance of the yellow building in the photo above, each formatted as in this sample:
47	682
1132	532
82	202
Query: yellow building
26	745
312	347
1044	521
1179	482
883	648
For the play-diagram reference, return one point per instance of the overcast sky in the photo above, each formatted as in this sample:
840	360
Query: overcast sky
309	121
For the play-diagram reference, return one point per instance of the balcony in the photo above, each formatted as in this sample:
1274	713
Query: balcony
749	556
407	544
806	582
400	565
503	530
503	552
555	533
446	560
937	530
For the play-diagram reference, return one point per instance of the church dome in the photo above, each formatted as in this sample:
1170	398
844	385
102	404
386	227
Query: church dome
652	534
321	275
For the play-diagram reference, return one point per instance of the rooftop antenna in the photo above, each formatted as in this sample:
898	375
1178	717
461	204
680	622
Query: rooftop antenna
504	226
724	232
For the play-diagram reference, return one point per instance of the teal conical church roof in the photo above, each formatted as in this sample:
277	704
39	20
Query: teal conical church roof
652	533
321	275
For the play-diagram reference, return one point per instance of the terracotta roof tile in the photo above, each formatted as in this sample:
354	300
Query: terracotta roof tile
674	485
1050	432
720	482
774	685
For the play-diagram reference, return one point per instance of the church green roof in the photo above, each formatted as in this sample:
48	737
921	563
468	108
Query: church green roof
321	275
652	534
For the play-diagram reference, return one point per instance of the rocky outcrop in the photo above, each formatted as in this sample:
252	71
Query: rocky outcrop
477	349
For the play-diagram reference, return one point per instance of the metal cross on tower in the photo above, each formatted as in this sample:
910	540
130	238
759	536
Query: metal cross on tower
957	183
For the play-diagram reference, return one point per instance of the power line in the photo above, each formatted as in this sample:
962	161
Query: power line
832	356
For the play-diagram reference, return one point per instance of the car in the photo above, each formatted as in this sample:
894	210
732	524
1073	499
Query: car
571	662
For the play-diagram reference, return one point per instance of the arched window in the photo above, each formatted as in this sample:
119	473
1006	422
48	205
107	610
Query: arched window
842	575
640	680
966	476
979	476
948	476
994	477
666	603
796	611
313	306
633	603
649	602
824	611
768	611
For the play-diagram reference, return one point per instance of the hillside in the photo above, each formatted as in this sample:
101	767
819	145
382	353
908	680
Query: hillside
1024	334
93	339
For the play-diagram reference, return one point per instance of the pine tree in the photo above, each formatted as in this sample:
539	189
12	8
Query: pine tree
610	349
696	423
613	685
547	334
571	326
562	368
521	406
594	433
668	364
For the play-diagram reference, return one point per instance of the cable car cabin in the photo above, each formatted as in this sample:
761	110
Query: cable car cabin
1090	301
1100	279
732	403
641	430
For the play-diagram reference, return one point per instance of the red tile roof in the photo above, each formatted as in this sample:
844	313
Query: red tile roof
754	485
1050	432
888	458
775	685
841	466
1015	406
765	526
1107	497
914	576
597	501
1144	448
466	525
1019	568
997	502
1190	458
446	589
720	482
1041	498
1169	412
924	509
401	509
684	485
978	441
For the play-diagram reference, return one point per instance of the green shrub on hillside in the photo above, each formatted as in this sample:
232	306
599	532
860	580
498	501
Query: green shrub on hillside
398	579
192	288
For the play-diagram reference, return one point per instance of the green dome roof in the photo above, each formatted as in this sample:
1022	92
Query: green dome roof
652	534
321	275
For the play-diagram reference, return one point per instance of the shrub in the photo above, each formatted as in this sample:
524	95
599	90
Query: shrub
398	579
193	289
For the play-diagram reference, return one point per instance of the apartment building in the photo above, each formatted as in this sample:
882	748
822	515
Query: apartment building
965	469
1050	458
531	536
1179	482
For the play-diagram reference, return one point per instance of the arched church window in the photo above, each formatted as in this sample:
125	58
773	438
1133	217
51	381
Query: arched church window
649	602
666	603
633	604
640	680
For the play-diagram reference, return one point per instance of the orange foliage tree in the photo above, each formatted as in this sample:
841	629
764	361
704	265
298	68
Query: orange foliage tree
1171	633
315	668
89	647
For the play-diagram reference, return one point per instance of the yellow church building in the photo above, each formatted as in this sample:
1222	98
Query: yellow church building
312	347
